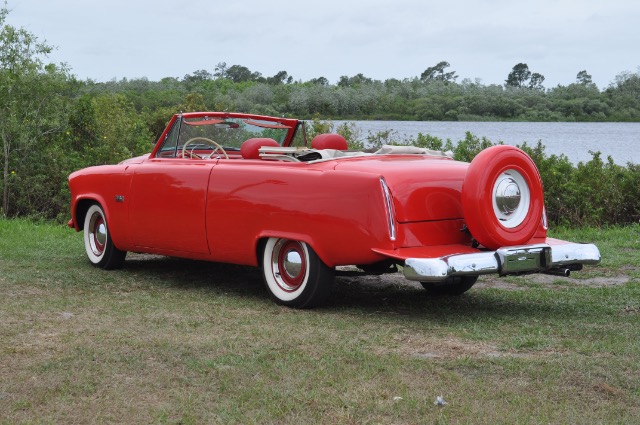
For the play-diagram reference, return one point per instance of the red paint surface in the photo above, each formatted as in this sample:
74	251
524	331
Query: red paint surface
219	209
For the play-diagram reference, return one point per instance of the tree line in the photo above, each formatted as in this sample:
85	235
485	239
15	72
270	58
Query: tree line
434	95
51	123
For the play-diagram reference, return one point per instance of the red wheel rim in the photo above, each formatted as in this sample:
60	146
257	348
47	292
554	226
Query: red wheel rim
289	263
98	234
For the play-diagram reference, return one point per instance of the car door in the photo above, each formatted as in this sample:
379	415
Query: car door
167	208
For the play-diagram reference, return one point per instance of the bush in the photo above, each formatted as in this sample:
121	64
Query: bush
593	193
590	193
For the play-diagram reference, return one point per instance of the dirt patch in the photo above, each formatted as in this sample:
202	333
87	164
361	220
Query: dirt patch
551	281
415	346
141	256
631	309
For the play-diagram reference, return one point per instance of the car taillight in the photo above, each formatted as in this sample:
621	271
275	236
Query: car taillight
389	206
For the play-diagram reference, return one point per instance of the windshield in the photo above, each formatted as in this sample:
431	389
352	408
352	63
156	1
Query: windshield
227	132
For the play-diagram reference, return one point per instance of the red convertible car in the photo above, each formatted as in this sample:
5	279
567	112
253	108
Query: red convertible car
250	190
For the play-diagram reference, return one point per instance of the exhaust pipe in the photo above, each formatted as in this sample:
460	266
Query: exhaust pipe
564	272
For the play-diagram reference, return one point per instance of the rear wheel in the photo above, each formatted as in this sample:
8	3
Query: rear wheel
97	240
294	274
453	286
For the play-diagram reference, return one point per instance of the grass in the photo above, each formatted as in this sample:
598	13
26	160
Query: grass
173	341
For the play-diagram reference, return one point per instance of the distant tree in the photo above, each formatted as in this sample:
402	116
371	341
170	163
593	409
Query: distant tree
583	78
535	83
193	102
518	76
121	132
360	79
624	78
238	73
354	81
166	81
280	78
198	76
202	75
521	77
624	96
32	103
320	81
220	70
437	73
392	82
241	74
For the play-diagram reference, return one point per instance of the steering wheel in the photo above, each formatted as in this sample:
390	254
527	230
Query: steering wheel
204	139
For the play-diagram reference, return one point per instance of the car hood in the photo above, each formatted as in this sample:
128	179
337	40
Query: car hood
424	188
135	160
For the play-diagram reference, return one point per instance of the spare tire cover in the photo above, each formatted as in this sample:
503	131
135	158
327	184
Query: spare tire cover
502	198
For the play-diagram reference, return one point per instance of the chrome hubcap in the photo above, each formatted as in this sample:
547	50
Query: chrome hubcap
508	196
288	263
511	198
292	263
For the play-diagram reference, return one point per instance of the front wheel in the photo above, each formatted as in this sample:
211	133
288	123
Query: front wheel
453	286
97	240
294	274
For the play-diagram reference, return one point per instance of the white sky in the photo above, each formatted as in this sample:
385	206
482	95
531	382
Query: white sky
484	39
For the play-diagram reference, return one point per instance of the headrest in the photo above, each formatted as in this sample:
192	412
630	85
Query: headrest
250	147
329	141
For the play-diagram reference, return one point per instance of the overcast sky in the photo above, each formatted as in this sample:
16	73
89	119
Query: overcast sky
483	39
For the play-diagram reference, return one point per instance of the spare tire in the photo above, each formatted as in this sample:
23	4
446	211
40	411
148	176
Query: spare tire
502	198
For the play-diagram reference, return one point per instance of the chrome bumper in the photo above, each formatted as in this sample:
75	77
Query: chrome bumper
542	258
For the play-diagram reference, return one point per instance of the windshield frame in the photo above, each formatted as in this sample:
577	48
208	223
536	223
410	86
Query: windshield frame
230	128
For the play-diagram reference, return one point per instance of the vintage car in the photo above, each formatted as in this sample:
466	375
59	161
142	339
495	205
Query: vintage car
249	190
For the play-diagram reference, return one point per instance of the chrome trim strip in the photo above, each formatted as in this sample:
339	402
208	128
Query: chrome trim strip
504	261
390	212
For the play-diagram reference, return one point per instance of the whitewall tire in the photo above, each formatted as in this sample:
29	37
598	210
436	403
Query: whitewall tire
294	274
97	240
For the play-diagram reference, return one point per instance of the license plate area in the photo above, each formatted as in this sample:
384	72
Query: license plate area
516	260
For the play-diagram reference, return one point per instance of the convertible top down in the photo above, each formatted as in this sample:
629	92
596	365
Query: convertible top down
250	189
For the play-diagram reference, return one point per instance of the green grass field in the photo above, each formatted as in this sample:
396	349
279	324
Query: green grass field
183	342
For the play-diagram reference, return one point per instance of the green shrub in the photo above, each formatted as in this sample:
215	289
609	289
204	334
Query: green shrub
591	193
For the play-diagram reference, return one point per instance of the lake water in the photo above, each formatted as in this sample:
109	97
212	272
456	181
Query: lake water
619	140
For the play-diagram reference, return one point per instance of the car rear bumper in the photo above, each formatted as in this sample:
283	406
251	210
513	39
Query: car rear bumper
540	258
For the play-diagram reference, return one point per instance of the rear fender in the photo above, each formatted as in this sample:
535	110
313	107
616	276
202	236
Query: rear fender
342	218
